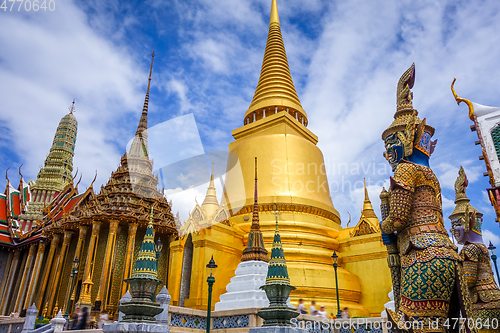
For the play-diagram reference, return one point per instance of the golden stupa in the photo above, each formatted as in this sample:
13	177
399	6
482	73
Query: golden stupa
292	178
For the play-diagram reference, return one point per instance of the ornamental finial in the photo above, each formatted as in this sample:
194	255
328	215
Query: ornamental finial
405	84
72	107
274	13
150	70
460	100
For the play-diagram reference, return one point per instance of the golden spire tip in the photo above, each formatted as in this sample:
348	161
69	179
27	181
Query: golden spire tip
274	13
366	191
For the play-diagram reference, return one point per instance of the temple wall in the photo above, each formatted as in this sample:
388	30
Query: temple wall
366	257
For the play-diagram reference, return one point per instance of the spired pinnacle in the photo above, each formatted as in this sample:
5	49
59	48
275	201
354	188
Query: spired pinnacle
146	265
255	249
275	91
139	146
277	272
367	205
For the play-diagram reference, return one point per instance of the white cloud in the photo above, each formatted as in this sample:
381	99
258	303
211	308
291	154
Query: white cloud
489	236
44	67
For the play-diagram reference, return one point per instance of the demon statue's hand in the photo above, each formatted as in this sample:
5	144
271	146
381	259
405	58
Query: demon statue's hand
388	239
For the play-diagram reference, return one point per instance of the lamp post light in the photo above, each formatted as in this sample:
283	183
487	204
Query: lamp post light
74	272
211	271
492	249
335	259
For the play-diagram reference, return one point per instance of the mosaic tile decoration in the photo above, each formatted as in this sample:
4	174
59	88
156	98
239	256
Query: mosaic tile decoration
180	320
16	328
4	328
231	322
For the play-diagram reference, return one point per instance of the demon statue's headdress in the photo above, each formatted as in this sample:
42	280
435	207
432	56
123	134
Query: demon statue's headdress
407	130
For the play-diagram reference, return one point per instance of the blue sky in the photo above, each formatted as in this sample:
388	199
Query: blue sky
345	58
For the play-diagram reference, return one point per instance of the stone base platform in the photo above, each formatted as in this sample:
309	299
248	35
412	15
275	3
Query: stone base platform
277	329
125	327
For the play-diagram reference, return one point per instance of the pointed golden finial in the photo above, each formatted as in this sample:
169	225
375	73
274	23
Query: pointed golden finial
212	175
7	177
367	205
460	100
150	71
366	191
274	13
72	107
275	91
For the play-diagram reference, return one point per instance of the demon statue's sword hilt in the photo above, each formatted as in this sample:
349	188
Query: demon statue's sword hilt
393	260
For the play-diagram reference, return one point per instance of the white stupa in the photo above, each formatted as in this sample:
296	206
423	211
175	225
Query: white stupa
389	305
243	291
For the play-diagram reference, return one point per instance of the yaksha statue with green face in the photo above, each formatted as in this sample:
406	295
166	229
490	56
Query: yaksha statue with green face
426	274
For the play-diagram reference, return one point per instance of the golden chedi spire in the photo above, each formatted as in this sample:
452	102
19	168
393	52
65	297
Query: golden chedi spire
275	91
210	204
367	205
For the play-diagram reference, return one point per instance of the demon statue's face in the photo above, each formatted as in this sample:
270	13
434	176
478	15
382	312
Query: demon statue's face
394	150
458	230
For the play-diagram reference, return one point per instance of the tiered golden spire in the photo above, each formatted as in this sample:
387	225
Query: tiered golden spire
275	90
367	205
210	204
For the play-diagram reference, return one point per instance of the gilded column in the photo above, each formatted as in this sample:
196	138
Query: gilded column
59	268
34	276
78	254
25	279
10	281
46	273
86	293
106	268
129	259
5	276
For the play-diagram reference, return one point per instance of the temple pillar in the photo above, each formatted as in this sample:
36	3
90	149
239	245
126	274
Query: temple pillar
106	268
25	279
58	269
78	254
46	273
129	259
86	293
5	275
6	296
34	276
175	269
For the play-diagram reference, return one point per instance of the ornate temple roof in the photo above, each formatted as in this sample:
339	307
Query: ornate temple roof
275	87
277	272
368	222
146	265
255	249
132	188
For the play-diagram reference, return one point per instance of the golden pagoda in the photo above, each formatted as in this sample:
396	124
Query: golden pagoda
292	176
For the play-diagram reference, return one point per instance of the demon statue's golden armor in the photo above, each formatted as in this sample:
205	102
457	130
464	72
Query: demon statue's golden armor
484	294
424	261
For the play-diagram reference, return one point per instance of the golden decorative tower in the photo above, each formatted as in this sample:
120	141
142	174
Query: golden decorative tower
292	174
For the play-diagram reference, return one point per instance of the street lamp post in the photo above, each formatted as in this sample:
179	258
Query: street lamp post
74	272
492	249
335	259
211	270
